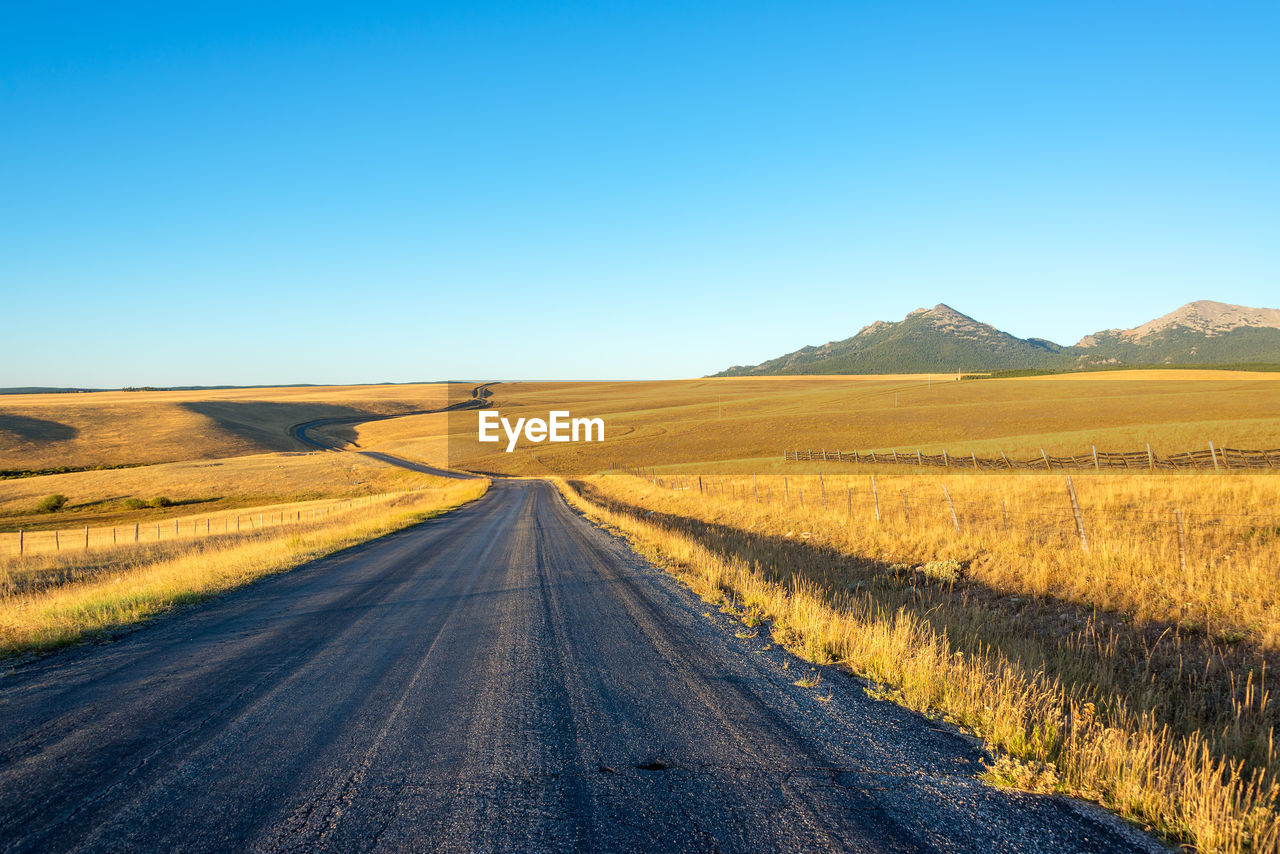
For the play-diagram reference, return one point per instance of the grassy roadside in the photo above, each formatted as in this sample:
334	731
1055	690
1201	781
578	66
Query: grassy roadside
64	598
1083	712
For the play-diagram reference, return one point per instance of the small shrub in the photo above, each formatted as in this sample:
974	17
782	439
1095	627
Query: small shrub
134	504
160	501
52	503
943	570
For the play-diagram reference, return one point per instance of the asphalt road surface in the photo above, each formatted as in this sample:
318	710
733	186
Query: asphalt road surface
506	677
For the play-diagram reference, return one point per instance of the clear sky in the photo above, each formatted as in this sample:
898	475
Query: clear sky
235	192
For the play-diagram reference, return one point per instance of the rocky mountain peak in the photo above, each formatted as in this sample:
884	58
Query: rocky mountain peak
1208	317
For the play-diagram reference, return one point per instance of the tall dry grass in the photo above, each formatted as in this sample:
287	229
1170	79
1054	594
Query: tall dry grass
1111	673
53	599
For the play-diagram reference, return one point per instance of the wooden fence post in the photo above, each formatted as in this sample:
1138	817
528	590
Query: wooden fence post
1096	467
57	546
1213	454
135	532
895	455
1075	508
1151	459
1006	460
1045	456
875	496
21	542
919	459
848	495
954	520
86	537
786	492
974	454
946	462
1182	541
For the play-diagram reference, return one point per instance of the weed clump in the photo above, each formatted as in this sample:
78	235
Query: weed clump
52	503
160	501
133	504
943	570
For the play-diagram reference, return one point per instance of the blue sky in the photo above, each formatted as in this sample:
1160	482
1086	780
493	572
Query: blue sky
325	192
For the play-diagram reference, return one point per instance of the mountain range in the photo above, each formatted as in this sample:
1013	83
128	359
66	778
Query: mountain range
942	339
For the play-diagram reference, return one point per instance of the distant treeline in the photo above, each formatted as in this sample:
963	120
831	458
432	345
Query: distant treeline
13	474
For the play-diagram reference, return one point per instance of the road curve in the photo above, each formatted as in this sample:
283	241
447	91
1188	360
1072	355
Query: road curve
301	433
506	677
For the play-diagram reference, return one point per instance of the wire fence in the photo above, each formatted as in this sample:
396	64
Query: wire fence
1210	458
228	523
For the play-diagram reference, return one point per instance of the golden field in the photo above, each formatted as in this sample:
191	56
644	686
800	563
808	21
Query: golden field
55	598
39	431
747	423
196	487
1119	673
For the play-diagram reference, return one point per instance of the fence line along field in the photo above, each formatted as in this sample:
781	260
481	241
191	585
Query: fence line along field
55	597
1210	459
1133	667
156	530
196	487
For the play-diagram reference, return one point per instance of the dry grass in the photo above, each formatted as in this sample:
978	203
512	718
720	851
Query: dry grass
40	431
423	437
1111	673
197	488
747	423
54	599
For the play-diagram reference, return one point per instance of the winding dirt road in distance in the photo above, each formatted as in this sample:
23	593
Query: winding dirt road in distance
301	433
506	677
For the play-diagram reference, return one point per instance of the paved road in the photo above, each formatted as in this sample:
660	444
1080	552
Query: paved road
506	677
